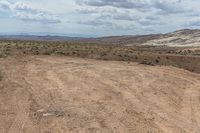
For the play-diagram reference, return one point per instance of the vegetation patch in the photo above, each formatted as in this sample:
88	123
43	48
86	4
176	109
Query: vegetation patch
2	53
147	55
1	76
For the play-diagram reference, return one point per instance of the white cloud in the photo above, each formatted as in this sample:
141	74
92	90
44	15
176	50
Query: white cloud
4	5
103	17
25	12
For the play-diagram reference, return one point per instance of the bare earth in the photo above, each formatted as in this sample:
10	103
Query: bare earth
51	94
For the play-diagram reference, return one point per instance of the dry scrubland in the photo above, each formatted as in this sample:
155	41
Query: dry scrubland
184	57
45	87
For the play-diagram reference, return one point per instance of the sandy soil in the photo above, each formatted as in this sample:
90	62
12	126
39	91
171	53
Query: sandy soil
49	94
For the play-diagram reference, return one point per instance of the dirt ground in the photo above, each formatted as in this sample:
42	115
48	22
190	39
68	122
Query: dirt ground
52	94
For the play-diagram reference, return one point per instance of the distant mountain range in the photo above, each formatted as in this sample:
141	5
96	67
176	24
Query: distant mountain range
185	37
39	38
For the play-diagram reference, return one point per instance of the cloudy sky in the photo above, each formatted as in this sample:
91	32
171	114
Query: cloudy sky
97	17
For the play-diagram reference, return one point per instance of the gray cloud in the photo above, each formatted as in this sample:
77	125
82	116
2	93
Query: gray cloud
146	14
126	16
87	11
109	14
107	25
152	18
41	17
5	5
25	12
162	6
169	7
148	23
102	16
128	4
193	23
21	7
96	23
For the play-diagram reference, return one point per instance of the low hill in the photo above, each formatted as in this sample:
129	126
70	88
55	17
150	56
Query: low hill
180	38
124	40
38	38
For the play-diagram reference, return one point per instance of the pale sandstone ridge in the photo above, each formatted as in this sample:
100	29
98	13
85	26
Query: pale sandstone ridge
181	38
49	94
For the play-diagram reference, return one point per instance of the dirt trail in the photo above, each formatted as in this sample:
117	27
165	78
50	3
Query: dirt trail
50	94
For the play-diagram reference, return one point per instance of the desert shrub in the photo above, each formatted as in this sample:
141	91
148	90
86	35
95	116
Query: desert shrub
2	53
168	52
1	76
125	55
145	62
157	61
103	54
120	55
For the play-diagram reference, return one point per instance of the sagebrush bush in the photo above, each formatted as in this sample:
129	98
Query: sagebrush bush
2	53
1	76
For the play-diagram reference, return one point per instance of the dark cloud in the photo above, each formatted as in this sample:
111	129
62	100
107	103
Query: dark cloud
127	4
